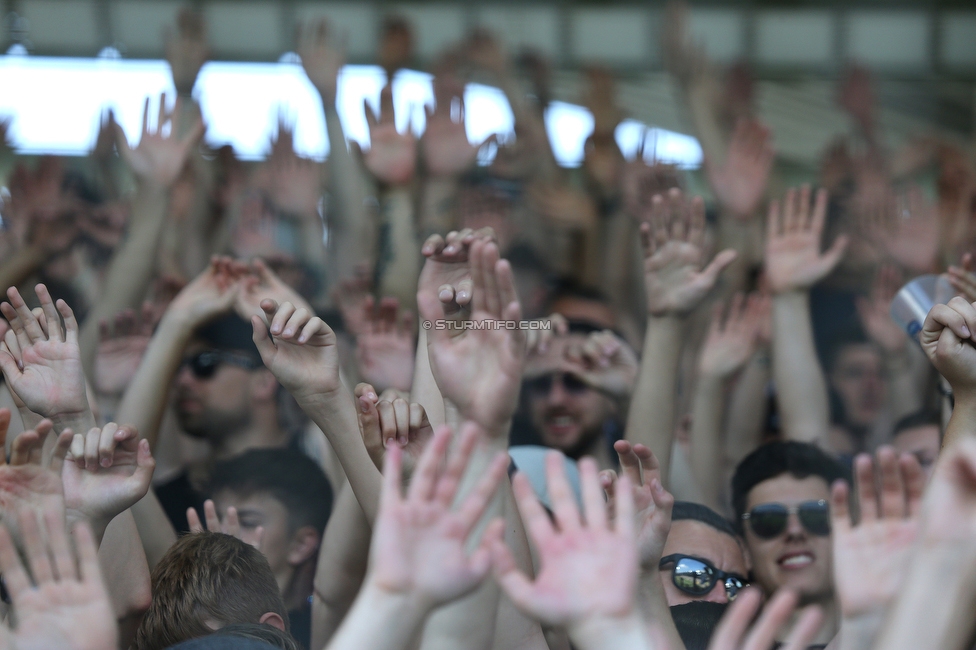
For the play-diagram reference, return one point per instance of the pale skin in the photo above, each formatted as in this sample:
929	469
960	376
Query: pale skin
946	338
675	282
587	578
66	605
870	556
939	580
794	263
734	632
418	559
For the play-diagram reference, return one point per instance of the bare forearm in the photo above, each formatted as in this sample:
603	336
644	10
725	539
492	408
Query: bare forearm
747	409
155	530
651	417
470	621
424	390
349	240
144	401
379	620
706	438
962	422
801	389
341	567
130	271
335	414
399	263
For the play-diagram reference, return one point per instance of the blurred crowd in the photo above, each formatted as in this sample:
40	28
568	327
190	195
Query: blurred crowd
436	393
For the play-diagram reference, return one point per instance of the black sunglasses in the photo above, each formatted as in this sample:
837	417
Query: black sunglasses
543	385
769	520
697	577
204	365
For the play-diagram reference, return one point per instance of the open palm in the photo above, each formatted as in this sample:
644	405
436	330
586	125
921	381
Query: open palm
42	362
480	370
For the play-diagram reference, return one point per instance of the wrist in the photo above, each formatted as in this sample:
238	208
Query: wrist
395	604
97	524
624	631
80	421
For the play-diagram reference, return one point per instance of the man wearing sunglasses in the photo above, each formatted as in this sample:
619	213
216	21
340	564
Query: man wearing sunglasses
703	559
565	404
781	497
224	395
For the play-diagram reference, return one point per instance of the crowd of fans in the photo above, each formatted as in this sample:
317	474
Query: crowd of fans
403	400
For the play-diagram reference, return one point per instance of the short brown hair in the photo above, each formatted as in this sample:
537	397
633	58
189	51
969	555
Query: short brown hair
207	577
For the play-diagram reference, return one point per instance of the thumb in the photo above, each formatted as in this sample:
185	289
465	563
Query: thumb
145	465
834	254
262	340
722	260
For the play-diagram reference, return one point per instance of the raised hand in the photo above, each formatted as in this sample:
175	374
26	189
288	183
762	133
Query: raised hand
260	283
385	349
739	182
587	580
322	57
66	605
392	156
298	348
870	557
31	481
732	340
605	362
108	471
875	311
673	242
480	370
418	548
905	227
947	338
158	159
447	271
187	51
963	277
293	182
736	631
210	294
793	258
42	361
231	525
652	503
444	144
387	419
120	349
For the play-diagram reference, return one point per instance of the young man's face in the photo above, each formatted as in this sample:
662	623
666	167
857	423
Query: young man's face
697	539
263	510
796	558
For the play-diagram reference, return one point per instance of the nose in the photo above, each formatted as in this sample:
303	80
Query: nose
794	529
184	377
717	594
557	393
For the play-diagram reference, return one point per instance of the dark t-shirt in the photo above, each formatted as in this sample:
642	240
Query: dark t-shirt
300	624
175	497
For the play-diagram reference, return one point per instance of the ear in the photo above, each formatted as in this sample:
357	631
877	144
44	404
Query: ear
304	545
264	386
274	620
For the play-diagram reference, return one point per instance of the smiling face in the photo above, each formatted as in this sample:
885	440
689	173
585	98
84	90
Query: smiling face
795	558
698	539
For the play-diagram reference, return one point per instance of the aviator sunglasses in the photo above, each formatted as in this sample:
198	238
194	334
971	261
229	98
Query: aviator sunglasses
769	520
697	577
